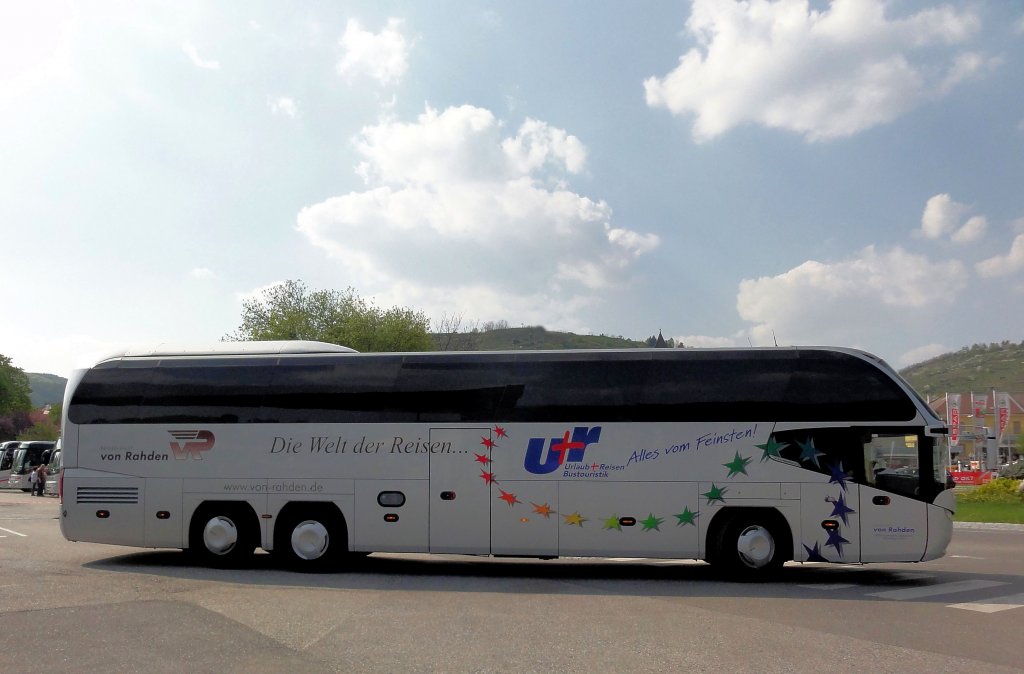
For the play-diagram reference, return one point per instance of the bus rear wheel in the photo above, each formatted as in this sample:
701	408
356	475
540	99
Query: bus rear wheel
221	534
751	546
310	539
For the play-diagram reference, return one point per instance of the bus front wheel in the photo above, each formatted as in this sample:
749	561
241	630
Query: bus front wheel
221	534
310	538
751	546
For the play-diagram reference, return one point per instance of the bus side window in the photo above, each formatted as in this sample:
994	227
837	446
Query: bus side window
826	449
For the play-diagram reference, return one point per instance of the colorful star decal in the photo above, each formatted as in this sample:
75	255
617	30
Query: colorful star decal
840	509
836	541
508	498
814	554
612	523
714	494
500	432
488	477
543	509
686	517
487	442
652	523
838	475
482	458
771	448
737	465
575	518
808	452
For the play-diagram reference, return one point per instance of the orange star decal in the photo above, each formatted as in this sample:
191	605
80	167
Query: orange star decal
488	477
544	510
508	498
481	458
575	518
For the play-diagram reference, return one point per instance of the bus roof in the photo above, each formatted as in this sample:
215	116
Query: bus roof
229	348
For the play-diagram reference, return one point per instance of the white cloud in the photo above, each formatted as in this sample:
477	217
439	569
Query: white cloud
202	273
972	230
193	55
870	293
1004	265
966	66
458	215
822	73
942	215
283	105
382	56
921	354
706	342
256	293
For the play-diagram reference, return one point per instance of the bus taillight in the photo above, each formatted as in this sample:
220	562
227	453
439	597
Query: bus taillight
60	487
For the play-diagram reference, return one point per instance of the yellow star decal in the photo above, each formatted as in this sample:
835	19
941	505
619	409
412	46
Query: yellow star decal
575	518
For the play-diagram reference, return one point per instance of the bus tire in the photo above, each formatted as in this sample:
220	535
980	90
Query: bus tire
222	534
310	537
751	545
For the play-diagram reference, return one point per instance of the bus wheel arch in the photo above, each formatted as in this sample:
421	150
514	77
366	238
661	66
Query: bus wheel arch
749	543
223	533
310	535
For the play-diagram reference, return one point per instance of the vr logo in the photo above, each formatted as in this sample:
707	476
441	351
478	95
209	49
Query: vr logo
561	449
191	443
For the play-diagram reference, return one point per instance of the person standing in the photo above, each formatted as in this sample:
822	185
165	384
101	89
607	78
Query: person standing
40	484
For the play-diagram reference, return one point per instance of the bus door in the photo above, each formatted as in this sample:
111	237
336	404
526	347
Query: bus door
894	518
460	490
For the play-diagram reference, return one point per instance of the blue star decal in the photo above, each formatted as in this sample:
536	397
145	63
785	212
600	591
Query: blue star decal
808	452
814	554
836	541
840	509
838	475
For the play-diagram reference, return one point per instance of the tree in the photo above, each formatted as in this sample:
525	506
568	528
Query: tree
15	399
291	311
15	392
41	430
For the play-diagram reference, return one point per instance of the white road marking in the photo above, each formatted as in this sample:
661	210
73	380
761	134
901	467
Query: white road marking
935	590
13	532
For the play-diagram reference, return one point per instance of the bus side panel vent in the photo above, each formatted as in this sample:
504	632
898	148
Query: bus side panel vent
107	495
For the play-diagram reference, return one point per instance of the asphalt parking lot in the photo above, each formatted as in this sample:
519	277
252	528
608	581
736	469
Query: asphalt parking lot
126	609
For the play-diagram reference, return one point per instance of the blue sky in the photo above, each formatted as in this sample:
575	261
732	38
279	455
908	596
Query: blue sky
730	173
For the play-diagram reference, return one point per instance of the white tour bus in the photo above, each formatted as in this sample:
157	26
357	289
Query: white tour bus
7	450
27	457
745	458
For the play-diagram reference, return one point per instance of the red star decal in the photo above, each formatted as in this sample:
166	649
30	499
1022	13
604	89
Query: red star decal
481	458
500	432
487	442
488	477
508	498
544	510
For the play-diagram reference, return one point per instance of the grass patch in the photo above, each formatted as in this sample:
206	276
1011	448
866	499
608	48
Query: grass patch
997	501
989	511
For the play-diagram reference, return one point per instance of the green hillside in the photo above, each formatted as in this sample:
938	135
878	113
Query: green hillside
533	337
980	368
47	389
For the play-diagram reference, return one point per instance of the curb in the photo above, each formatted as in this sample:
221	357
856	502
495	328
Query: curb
988	526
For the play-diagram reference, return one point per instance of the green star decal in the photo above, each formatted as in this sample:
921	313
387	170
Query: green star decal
737	465
771	448
686	517
612	523
714	494
652	522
